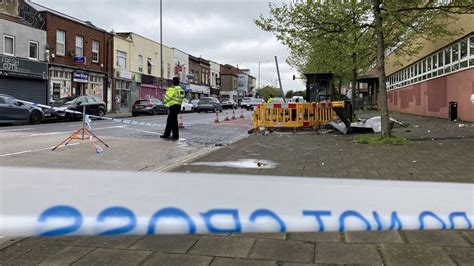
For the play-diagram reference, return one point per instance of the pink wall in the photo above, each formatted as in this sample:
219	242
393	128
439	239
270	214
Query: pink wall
432	97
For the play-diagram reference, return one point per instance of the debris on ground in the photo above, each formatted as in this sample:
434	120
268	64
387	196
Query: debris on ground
462	125
373	123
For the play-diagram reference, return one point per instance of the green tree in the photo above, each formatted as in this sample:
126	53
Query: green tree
289	94
324	36
399	27
269	92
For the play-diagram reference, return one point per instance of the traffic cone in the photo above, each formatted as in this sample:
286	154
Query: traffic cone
226	116
180	122
242	114
217	118
233	114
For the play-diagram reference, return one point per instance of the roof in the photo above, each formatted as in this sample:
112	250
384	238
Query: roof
229	70
41	8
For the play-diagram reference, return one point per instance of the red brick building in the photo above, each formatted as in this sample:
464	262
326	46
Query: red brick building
79	56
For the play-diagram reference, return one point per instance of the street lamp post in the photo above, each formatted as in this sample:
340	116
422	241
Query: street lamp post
161	43
258	87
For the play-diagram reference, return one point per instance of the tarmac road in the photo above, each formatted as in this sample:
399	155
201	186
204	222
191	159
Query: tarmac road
131	147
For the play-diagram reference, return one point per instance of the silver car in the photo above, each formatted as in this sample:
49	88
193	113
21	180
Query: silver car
13	111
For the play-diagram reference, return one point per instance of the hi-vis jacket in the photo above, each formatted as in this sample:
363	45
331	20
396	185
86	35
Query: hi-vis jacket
174	95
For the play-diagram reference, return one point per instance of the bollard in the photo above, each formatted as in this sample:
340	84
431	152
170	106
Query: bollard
226	116
217	118
242	114
233	114
180	122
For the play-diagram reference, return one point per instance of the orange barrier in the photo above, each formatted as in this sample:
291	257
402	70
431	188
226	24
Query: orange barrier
294	115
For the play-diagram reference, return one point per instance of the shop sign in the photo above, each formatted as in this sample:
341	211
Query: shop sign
80	60
18	67
80	77
124	74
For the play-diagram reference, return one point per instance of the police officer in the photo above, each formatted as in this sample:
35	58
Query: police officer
173	99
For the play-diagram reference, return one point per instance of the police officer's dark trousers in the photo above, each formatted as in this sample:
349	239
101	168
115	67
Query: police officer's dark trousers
172	121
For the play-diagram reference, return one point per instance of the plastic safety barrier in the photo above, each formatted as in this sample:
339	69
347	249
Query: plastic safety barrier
294	115
53	202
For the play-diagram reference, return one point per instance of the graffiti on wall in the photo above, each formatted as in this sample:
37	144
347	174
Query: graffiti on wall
30	17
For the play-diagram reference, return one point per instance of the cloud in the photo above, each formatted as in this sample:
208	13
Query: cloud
219	30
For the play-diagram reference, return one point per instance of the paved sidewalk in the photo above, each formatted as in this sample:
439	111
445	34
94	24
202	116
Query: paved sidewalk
440	151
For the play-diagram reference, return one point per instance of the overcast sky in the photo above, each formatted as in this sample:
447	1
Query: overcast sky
219	30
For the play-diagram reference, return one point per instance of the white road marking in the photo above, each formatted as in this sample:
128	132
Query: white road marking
145	131
30	151
18	129
69	132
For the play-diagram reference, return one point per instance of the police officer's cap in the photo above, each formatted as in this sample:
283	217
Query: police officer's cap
176	81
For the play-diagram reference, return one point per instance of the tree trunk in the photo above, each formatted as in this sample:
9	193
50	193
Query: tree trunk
354	81
385	116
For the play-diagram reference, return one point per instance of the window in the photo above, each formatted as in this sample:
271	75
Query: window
79	46
471	52
8	45
140	64
60	42
149	66
95	51
33	53
168	70
121	59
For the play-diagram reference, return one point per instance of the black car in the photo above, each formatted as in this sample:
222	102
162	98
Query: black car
13	111
149	106
94	106
209	104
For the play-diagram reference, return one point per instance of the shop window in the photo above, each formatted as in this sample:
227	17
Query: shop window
121	59
140	63
79	46
8	45
60	42
33	50
95	51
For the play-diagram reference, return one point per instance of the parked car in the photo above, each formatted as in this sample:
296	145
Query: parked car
254	102
186	106
297	99
149	106
94	106
278	100
229	104
245	103
12	111
195	104
209	104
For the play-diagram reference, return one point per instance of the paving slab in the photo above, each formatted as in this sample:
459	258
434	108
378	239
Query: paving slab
166	243
262	235
373	237
462	256
469	235
104	256
223	246
178	260
106	241
403	254
67	256
316	237
240	262
341	253
435	238
280	250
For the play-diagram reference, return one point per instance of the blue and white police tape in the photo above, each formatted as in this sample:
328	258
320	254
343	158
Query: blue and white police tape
75	202
118	120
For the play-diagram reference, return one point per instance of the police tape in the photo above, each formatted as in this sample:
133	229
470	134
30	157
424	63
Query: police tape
43	202
118	120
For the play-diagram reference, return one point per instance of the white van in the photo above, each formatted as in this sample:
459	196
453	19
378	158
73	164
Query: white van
298	99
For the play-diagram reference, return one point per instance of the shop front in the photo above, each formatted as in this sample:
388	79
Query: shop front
123	88
149	88
23	79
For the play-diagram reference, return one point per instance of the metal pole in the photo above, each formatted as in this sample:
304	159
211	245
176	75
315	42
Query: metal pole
161	42
83	120
258	87
279	80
